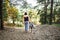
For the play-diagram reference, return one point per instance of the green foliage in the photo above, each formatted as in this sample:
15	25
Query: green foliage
42	16
13	13
19	25
33	15
25	4
43	12
9	24
5	15
38	1
58	15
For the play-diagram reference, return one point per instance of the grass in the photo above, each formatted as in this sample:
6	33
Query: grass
57	25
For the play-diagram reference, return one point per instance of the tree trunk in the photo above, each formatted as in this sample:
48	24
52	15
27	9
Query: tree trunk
50	21
13	21
45	12
1	15
54	18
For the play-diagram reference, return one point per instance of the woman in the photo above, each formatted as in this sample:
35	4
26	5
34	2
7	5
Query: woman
26	21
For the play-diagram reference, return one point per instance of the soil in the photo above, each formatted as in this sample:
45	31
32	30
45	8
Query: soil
40	32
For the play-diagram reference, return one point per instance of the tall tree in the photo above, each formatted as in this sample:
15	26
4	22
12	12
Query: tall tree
13	13
50	22
46	3
25	4
1	15
54	12
5	6
45	11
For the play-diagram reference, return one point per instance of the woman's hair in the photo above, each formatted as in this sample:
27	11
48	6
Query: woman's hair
25	13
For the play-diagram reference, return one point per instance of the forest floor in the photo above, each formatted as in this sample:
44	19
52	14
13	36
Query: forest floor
40	32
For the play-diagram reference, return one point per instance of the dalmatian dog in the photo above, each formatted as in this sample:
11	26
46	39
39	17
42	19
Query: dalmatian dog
31	26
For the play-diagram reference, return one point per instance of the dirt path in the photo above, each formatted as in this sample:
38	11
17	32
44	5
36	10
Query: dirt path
43	32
